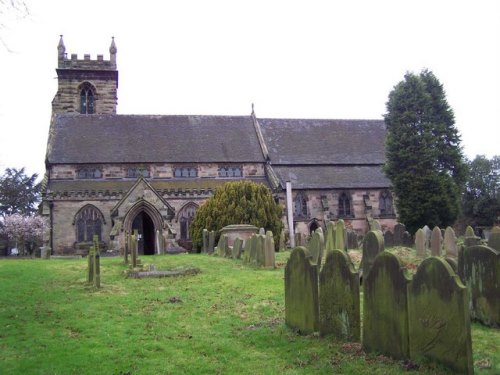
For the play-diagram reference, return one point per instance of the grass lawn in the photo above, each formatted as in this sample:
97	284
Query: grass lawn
228	319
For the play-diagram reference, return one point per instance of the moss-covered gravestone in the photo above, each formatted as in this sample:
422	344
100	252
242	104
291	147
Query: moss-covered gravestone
420	243
339	305
399	229
205	235
237	246
340	236
494	240
450	242
385	307
330	236
388	239
247	250
211	242
436	242
439	322
90	265
479	268
260	250
373	244
470	238
315	249
301	292
282	244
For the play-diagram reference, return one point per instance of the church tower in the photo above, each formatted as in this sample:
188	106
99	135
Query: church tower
86	86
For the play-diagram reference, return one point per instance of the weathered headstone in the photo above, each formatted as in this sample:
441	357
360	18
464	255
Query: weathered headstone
315	249
90	265
470	238
262	231
339	311
282	245
388	239
450	242
494	240
269	258
420	241
439	322
373	245
301	292
261	257
134	248
428	234
399	229
340	236
469	231
211	242
330	236
479	268
97	262
385	308
352	239
374	225
407	239
247	250
436	242
237	246
126	248
205	236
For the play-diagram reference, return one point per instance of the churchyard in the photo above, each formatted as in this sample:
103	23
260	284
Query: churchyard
229	318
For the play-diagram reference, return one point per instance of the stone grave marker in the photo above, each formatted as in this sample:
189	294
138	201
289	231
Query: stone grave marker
385	308
211	242
262	231
374	225
388	239
436	242
479	268
282	245
428	234
407	239
420	241
470	237
301	292
330	236
439	322
450	242
373	245
399	229
247	250
352	240
339	306
315	249
340	236
237	246
269	258
205	241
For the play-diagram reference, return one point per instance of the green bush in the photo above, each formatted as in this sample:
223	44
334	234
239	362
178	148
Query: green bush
238	202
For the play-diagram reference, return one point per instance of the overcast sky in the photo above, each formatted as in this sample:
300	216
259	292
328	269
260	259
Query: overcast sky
293	59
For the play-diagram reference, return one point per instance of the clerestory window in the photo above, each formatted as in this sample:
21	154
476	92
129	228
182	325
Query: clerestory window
137	172
89	173
230	171
186	172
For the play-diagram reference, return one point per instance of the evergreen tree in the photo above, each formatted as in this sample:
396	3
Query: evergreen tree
424	159
239	202
19	193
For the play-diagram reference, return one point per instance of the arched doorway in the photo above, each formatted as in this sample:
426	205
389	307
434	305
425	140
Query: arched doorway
145	226
314	225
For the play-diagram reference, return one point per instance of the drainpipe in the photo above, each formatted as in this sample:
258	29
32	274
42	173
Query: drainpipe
289	207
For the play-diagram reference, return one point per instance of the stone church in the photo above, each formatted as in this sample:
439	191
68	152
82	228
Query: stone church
108	174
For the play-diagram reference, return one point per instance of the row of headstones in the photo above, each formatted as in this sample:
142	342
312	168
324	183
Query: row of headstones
336	234
399	237
402	318
258	250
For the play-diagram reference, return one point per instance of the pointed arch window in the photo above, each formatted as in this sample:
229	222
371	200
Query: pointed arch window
87	99
186	216
344	205
300	205
386	205
88	221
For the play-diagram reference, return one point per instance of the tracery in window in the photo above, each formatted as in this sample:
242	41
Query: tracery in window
186	172
88	223
300	205
186	216
230	171
386	206
87	99
344	205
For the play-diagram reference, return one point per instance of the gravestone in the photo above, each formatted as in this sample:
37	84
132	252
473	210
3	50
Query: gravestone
315	249
436	242
282	245
388	239
262	231
428	234
330	236
385	308
299	239
469	231
126	248
420	241
439	322
260	250
211	242
494	240
453	263
90	265
374	225
399	229
269	258
205	236
470	237
237	245
450	242
373	245
340	236
134	248
407	239
339	307
247	250
479	268
352	239
97	262
301	292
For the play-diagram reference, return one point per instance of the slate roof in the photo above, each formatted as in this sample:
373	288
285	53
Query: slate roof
332	177
327	142
149	139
